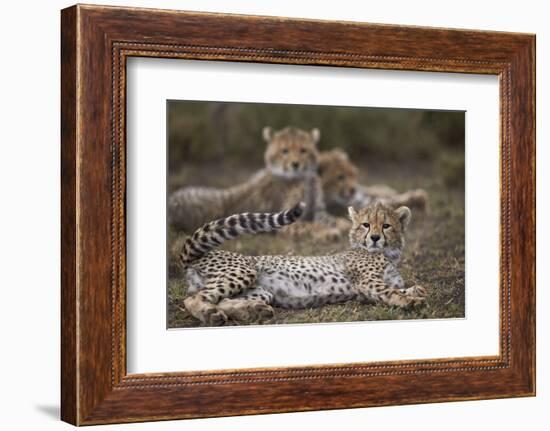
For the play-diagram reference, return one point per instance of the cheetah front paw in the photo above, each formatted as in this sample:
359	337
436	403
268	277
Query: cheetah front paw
246	310
263	311
414	295
217	318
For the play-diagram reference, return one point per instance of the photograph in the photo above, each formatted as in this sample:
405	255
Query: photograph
333	211
306	214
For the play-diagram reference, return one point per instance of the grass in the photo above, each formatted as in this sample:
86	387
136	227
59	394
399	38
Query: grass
433	257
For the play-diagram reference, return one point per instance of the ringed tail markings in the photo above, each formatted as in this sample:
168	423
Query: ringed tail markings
216	232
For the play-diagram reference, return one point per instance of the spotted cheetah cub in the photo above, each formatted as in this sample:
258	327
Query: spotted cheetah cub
289	176
226	285
341	187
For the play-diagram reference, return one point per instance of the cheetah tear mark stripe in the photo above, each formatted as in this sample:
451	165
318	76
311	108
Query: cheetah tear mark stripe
216	232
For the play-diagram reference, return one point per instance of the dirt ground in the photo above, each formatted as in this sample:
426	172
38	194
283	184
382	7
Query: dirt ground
433	256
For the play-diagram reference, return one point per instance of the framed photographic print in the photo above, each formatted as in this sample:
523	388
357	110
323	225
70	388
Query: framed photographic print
316	215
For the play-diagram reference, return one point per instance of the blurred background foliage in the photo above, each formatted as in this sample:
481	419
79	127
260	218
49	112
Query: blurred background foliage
202	132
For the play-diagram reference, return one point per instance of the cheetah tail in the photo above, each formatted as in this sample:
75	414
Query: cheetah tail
216	232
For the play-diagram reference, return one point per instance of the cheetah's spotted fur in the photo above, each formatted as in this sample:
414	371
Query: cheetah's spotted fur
226	285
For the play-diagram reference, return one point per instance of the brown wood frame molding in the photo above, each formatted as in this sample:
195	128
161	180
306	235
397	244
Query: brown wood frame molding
95	43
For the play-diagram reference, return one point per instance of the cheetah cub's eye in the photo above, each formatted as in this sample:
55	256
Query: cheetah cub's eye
341	177
367	225
386	225
285	151
302	150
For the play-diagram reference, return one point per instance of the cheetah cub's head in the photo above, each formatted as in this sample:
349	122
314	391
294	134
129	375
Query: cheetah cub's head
291	152
378	228
339	177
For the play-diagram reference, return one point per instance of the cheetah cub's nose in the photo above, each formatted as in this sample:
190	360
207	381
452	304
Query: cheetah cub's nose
375	238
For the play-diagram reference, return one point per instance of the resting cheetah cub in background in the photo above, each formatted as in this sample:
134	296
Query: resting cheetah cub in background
341	187
226	285
289	176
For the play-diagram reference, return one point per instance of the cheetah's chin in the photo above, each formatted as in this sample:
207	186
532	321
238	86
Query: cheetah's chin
373	248
290	173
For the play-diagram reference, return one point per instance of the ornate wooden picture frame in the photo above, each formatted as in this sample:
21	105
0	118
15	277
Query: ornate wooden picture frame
96	42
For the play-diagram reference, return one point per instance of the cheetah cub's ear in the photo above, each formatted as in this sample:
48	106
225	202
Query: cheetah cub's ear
353	214
267	133
315	135
404	215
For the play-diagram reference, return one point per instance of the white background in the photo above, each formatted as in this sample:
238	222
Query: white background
153	349
29	227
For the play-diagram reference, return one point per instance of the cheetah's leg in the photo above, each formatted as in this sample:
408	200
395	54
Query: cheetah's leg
317	231
253	305
378	291
336	224
313	230
416	198
203	304
322	233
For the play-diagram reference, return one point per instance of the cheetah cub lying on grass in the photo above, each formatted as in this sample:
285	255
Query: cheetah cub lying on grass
226	285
